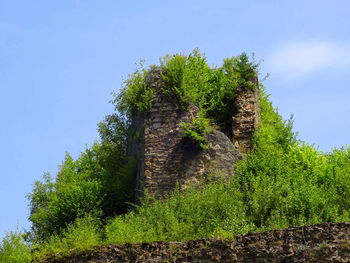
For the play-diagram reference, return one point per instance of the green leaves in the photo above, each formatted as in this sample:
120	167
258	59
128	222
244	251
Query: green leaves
135	94
196	131
71	198
241	71
173	77
289	183
14	249
192	214
190	79
98	183
81	235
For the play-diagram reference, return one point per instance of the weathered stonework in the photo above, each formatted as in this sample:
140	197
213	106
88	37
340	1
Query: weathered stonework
328	242
166	159
247	116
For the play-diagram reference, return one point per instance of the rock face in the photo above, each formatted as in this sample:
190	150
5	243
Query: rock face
166	159
328	242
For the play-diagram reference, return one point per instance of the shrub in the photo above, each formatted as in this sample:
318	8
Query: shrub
194	214
14	249
80	235
135	94
195	131
191	80
289	183
57	204
99	183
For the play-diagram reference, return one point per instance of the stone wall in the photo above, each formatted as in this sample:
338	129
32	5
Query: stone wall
163	151
328	242
245	120
166	159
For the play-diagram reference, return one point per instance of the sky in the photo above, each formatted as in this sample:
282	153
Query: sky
60	60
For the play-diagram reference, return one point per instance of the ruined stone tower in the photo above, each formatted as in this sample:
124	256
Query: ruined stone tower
247	117
164	157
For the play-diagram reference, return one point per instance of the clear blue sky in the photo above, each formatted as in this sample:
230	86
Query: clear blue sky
59	61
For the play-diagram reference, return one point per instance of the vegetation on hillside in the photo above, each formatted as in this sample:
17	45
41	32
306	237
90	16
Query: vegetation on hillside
14	248
283	183
191	80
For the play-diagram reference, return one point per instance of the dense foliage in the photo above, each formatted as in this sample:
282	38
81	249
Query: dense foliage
80	235
282	183
191	80
195	132
14	249
98	184
285	182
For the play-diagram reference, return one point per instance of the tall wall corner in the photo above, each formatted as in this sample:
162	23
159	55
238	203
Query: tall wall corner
247	116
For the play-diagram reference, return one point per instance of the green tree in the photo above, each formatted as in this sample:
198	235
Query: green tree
98	184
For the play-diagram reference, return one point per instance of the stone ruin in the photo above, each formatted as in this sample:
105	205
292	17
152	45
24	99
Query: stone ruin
322	243
166	160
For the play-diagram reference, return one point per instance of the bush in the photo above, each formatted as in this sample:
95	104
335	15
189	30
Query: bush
135	94
195	131
57	204
80	235
195	214
98	183
191	80
14	249
289	183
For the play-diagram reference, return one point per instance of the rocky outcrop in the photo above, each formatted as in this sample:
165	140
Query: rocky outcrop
328	242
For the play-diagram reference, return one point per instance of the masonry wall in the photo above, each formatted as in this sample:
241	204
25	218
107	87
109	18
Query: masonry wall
163	150
328	242
166	159
245	120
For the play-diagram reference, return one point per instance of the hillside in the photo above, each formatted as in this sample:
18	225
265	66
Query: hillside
193	152
316	243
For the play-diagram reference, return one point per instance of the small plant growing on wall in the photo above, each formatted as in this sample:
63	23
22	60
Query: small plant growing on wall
195	131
